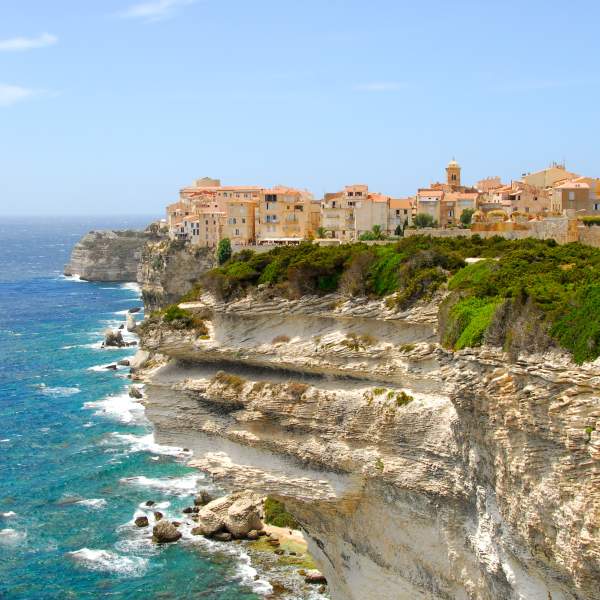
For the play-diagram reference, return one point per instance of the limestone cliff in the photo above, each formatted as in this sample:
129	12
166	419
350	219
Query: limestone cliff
168	269
415	472
108	255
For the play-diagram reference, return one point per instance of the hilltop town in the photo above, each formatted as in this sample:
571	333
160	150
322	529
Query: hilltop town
551	202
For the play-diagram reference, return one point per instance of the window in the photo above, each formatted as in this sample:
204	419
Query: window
243	220
299	207
237	232
333	204
270	197
571	196
405	211
597	206
398	212
358	194
350	193
527	209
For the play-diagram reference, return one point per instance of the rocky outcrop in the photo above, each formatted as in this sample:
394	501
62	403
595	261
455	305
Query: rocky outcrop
109	255
165	532
415	472
168	269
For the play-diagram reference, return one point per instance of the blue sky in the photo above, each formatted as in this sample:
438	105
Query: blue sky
111	106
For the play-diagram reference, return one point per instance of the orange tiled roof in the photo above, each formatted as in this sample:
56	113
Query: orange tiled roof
401	203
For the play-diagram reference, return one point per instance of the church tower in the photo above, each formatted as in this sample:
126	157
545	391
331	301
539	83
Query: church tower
453	174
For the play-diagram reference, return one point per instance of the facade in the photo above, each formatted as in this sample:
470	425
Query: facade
338	211
575	198
529	199
400	213
369	212
429	202
240	221
548	177
454	204
285	215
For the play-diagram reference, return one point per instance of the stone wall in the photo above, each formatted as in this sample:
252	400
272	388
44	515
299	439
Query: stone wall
589	235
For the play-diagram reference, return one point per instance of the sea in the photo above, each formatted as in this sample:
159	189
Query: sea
78	460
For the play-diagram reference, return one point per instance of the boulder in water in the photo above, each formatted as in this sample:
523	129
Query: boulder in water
134	309
202	498
123	362
111	367
223	536
134	392
164	532
131	323
142	521
158	515
238	513
113	339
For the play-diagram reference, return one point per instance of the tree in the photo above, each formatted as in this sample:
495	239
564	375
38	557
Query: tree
375	234
399	230
224	250
321	232
424	220
466	215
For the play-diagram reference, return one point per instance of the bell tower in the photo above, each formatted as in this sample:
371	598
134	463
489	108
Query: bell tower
453	174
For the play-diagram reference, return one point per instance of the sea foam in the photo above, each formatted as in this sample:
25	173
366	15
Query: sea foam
175	486
120	408
103	560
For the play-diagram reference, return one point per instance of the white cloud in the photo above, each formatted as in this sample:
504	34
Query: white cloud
380	86
155	10
11	94
19	44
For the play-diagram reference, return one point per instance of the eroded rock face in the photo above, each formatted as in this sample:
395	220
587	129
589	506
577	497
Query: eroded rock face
168	269
108	255
415	472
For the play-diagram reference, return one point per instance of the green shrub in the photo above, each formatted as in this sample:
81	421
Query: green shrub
275	514
469	320
223	250
402	398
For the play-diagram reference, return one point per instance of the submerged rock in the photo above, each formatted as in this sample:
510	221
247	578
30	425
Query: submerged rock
164	532
123	363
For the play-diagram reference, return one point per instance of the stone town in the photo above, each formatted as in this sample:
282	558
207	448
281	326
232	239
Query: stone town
539	204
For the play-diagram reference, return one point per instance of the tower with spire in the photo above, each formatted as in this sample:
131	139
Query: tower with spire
453	174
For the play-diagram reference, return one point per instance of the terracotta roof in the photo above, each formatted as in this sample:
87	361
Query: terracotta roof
378	197
572	185
430	192
401	203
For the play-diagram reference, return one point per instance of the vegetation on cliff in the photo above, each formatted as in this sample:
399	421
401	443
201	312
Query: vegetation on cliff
524	293
275	514
174	317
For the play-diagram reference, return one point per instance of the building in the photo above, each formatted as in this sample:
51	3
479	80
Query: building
453	174
429	202
453	205
400	214
547	178
286	215
371	211
575	196
337	211
489	183
529	199
240	220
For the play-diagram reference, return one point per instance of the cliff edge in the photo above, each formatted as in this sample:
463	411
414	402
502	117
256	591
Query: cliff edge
109	255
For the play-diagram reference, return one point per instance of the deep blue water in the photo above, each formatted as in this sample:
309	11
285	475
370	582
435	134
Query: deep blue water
77	458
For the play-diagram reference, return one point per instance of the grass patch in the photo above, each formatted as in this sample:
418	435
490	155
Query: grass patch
179	318
229	380
275	514
469	320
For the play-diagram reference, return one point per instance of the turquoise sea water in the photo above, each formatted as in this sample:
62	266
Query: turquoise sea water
77	458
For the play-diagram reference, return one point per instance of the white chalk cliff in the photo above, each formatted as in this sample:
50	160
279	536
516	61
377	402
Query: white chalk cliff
415	472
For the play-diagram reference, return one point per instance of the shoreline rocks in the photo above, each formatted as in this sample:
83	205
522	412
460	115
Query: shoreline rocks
165	532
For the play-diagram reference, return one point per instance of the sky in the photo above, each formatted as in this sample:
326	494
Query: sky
111	106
